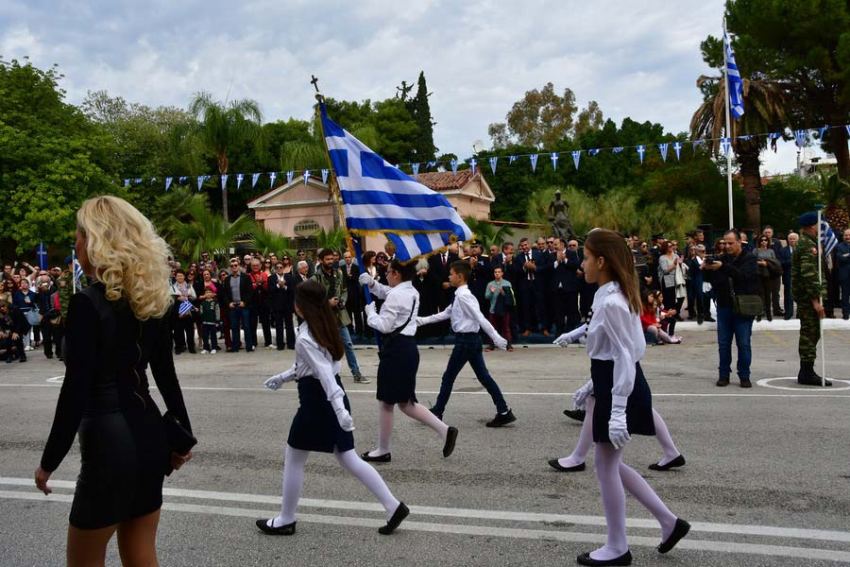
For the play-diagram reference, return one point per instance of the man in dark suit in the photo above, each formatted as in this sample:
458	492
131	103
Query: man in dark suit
776	245
565	288
238	293
785	256
842	257
544	263
438	274
281	299
354	302
524	268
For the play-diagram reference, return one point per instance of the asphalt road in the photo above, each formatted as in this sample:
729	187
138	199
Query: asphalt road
766	480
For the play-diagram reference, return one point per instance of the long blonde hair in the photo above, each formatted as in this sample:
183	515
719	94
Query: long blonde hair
127	254
620	261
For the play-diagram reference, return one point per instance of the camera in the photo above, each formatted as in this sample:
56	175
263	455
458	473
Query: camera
712	258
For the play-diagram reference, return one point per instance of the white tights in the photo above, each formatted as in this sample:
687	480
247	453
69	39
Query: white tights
585	438
614	476
293	482
412	409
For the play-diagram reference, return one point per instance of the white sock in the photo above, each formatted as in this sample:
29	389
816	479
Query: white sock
423	415
664	439
369	477
608	463
585	438
293	482
385	429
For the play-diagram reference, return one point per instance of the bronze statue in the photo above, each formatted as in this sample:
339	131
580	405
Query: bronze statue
561	225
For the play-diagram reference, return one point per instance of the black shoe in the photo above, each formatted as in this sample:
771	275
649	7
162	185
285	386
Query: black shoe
560	468
249	349
398	517
451	438
710	320
436	412
586	559
24	359
677	462
502	419
286	529
49	355
576	414
385	458
681	530
746	384
722	382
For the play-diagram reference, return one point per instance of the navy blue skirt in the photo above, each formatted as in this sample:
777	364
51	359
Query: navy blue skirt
315	427
397	370
638	409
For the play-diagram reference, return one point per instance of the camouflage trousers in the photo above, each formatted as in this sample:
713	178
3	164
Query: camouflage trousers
809	333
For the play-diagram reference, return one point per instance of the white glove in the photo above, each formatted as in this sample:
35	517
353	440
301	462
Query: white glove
370	309
580	395
573	336
618	431
501	343
366	279
278	380
343	417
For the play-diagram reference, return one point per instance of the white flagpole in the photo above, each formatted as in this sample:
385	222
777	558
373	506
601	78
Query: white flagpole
728	128
74	270
820	291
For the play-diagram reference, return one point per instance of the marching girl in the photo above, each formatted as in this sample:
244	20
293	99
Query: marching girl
399	358
323	420
623	401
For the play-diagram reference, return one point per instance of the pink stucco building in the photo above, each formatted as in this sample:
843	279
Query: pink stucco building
299	210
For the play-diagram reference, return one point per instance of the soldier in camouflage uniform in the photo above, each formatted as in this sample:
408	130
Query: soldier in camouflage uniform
65	283
807	289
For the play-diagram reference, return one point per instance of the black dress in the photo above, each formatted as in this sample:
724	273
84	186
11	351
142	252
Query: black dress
638	408
397	369
315	427
105	397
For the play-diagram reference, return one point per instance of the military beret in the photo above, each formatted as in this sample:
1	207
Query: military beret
808	219
68	260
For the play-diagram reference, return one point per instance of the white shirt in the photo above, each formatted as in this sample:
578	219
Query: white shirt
314	360
396	308
614	333
465	314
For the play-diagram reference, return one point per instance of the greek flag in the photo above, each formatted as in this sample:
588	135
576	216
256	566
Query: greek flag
827	238
78	272
378	197
734	82
184	308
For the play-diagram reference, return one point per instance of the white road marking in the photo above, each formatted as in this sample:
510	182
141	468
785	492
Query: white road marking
499	515
767	383
485	531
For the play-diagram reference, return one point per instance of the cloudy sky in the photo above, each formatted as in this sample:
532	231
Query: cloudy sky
636	58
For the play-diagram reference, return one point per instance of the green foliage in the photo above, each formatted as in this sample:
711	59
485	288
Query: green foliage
208	231
334	239
423	144
53	158
784	199
386	126
488	233
266	242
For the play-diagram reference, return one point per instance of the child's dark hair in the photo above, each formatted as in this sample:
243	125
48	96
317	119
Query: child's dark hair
310	299
461	268
406	270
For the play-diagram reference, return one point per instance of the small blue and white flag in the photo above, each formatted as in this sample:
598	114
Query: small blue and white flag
168	181
454	166
41	252
254	178
827	238
822	130
182	180
414	167
472	164
493	162
201	179
617	150
306	176
677	147
533	158
663	149
593	152
734	81
554	158
184	308
641	150
576	158
801	137
272	177
325	173
78	272
126	183
725	143
289	176
239	178
512	159
224	181
377	197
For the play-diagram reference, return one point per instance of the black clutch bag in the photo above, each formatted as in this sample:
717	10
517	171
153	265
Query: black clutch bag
180	441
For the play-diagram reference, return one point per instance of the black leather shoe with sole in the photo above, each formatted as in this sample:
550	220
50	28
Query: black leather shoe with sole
560	468
398	517
286	529
586	559
385	458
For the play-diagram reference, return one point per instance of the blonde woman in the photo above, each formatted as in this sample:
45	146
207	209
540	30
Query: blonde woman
115	329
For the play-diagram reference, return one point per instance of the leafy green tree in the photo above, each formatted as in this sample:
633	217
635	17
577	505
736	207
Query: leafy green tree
224	125
420	110
53	158
334	239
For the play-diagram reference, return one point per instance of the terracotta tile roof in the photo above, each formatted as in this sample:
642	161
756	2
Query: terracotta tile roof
446	180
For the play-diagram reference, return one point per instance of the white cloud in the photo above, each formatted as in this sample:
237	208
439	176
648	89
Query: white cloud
637	59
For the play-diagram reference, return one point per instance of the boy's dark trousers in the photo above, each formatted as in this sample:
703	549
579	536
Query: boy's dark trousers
210	337
468	348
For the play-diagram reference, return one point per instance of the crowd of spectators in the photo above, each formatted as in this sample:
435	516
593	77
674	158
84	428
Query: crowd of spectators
532	288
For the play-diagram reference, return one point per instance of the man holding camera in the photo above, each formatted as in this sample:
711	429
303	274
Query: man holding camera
734	276
337	293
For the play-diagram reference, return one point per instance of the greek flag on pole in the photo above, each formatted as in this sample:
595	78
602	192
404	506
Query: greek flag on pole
78	271
184	308
827	238
733	79
378	197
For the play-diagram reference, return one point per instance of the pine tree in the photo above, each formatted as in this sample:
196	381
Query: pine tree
421	112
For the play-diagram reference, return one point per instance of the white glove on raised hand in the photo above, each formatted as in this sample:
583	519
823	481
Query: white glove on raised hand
618	431
573	336
278	380
580	395
343	417
366	279
501	343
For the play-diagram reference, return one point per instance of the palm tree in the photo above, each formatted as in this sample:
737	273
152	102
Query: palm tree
172	209
834	190
333	239
266	241
221	126
208	232
486	233
765	102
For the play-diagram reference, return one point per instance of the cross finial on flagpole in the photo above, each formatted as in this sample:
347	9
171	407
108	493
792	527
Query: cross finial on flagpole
314	80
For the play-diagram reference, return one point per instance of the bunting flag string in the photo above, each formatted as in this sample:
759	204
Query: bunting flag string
306	176
801	137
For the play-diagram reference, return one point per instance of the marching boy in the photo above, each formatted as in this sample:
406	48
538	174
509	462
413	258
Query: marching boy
467	320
